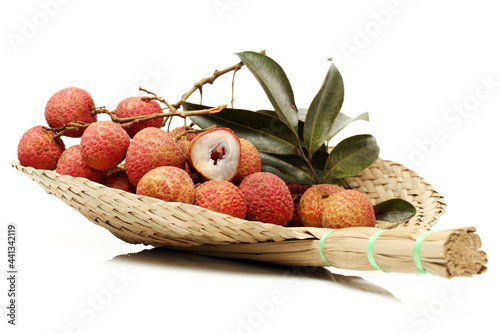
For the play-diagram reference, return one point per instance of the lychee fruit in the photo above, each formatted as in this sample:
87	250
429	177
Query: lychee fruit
313	203
249	162
71	163
221	196
167	183
183	133
268	198
120	181
151	148
215	154
70	105
348	208
39	149
296	190
104	144
136	106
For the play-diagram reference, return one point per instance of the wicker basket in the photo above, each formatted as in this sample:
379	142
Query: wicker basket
139	219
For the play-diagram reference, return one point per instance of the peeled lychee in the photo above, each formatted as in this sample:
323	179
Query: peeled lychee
136	106
71	163
313	203
104	144
249	162
120	181
167	183
38	148
348	208
221	196
268	198
69	105
215	154
151	148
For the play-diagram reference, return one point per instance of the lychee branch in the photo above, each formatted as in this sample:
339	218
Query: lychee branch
211	79
129	121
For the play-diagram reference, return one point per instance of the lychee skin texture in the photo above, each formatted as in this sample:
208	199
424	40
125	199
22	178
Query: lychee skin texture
136	106
349	208
249	161
268	198
68	105
119	180
221	196
313	203
167	183
71	163
151	148
104	145
38	149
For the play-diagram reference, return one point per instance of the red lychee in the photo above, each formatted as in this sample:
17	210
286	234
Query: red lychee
183	133
167	183
104	144
313	203
150	148
348	208
136	106
69	105
215	154
221	196
71	163
268	198
297	190
249	162
38	148
120	181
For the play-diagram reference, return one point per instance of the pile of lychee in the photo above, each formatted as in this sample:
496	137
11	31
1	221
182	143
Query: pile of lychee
213	169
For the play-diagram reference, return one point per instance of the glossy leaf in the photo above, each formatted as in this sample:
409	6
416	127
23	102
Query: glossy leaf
342	121
323	110
351	156
276	85
394	210
268	133
288	167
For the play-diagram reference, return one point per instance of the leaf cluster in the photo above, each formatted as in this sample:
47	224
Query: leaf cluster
293	143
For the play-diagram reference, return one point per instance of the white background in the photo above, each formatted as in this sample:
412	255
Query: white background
413	65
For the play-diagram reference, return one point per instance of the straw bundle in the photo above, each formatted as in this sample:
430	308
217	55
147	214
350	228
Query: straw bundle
140	219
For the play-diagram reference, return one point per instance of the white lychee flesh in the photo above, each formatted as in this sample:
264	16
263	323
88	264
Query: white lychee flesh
216	154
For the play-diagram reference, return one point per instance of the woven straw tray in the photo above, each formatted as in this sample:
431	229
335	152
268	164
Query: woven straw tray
139	219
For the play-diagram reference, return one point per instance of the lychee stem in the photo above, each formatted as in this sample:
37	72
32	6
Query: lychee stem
198	85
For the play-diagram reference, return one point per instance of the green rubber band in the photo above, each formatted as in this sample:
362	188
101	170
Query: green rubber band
369	250
416	253
320	248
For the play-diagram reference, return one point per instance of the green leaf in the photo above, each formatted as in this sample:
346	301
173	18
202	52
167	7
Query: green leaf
351	156
290	168
275	83
394	210
323	110
268	133
342	121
